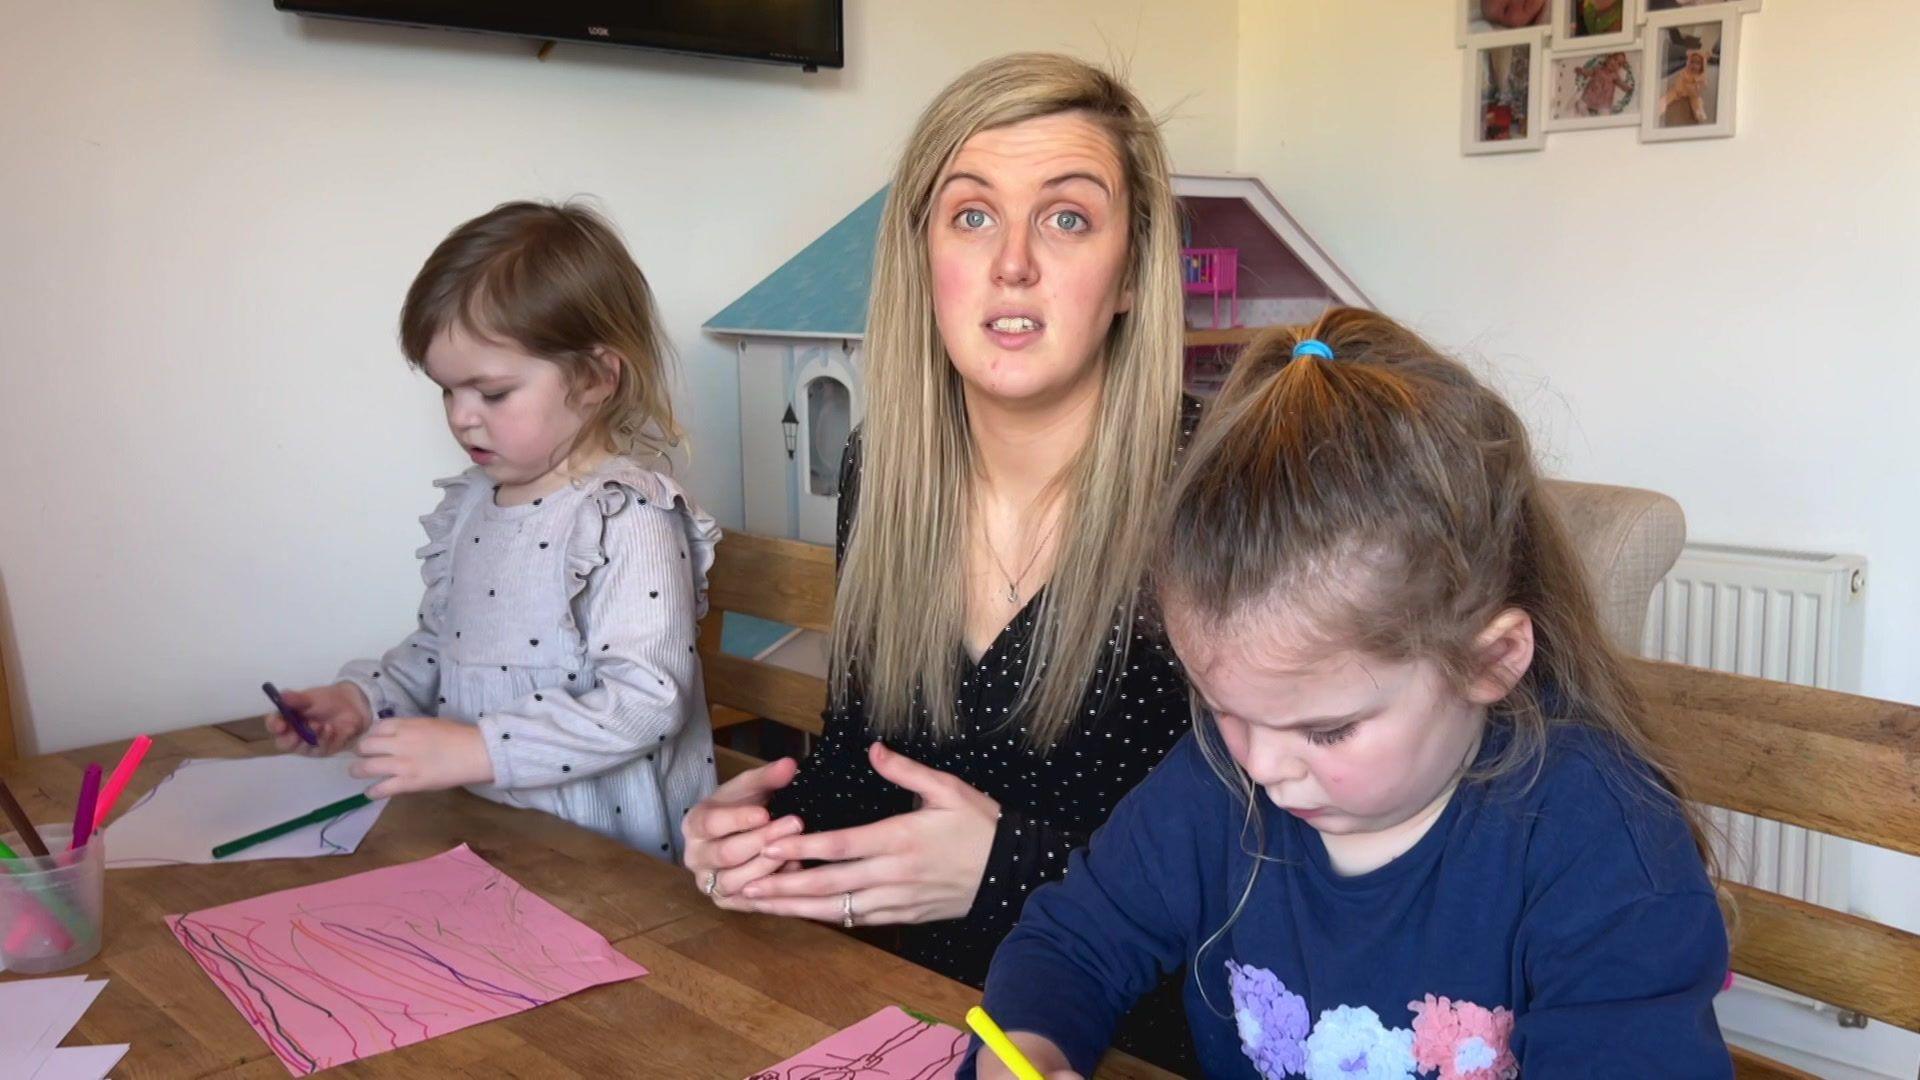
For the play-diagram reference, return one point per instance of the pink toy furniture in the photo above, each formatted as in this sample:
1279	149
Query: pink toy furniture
1211	272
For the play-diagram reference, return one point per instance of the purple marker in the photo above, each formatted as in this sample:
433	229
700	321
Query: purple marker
83	811
299	722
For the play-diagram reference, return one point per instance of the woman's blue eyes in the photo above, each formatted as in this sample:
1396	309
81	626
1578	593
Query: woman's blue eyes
1064	220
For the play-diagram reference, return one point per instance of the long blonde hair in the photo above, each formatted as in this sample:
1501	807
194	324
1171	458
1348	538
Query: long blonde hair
555	280
899	618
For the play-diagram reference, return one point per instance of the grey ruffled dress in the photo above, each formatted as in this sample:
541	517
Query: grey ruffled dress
565	629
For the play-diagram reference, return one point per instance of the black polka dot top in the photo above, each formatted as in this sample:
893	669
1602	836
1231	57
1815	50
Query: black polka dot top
1049	804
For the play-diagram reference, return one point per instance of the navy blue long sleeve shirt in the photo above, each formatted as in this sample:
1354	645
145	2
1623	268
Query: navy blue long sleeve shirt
1561	923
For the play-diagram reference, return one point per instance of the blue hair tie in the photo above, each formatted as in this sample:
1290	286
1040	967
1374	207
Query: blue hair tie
1312	347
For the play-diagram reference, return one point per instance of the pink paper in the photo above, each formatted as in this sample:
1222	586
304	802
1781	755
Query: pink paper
889	1044
354	967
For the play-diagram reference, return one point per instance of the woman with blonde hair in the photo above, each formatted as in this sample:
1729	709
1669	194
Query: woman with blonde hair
998	684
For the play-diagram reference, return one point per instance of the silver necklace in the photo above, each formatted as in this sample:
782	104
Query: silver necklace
1013	583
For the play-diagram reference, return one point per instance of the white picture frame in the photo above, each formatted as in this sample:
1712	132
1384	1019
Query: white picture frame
1650	8
1477	97
1566	25
1716	82
1468	25
1570	107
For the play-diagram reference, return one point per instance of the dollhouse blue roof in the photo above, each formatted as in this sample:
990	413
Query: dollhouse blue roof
821	292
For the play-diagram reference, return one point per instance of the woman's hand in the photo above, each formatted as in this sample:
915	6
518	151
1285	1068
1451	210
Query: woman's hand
421	753
727	830
920	866
337	713
1040	1053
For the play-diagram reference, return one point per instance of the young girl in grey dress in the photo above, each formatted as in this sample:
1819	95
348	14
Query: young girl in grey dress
553	665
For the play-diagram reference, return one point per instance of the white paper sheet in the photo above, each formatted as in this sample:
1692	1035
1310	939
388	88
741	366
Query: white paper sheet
35	1014
80	1062
209	801
27	1007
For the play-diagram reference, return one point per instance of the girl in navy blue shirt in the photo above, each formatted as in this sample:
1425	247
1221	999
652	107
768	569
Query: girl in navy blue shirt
1418	831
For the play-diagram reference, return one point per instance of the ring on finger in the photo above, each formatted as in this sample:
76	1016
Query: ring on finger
846	911
713	886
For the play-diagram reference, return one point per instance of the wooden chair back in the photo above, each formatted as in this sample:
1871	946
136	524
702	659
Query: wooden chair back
1823	760
788	582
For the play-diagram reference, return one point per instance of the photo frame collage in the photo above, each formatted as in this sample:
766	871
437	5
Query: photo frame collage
1538	66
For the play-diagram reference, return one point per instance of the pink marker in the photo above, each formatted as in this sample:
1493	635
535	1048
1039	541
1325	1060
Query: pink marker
117	783
38	922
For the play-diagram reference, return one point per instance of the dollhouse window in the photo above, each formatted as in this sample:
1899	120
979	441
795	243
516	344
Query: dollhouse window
829	421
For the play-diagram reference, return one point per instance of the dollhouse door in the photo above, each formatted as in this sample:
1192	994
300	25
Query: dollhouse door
826	407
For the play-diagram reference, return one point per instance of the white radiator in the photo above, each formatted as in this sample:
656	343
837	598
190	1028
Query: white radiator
1794	616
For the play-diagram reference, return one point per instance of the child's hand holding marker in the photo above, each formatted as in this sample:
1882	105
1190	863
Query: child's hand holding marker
337	714
403	754
1022	1055
421	753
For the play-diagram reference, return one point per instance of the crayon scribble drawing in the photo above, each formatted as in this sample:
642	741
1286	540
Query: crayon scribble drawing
208	801
889	1045
349	968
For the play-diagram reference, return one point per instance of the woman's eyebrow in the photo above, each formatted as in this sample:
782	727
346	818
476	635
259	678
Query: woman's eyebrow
1065	178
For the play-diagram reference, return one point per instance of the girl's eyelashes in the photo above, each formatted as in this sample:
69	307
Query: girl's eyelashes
1332	735
446	394
1323	737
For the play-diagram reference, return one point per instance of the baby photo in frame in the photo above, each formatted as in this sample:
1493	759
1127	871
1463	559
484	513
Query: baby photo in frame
1501	111
1474	18
1595	24
1594	89
1690	59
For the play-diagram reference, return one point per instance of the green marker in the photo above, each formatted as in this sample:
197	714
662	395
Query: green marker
331	810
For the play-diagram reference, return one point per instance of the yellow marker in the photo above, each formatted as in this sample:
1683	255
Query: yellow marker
1002	1047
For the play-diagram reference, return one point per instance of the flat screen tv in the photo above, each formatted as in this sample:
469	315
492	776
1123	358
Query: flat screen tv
807	33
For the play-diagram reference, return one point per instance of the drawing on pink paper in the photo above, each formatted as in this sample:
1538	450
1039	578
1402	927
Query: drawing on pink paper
889	1045
354	967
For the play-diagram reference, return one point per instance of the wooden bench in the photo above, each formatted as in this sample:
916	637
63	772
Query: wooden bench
768	578
1819	759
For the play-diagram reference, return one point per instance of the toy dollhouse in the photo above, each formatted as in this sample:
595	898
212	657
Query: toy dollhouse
1246	264
798	336
1246	258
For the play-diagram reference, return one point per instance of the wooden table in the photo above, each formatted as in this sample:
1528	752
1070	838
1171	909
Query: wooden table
726	994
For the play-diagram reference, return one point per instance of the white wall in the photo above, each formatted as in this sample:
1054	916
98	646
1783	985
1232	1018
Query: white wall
1727	321
211	453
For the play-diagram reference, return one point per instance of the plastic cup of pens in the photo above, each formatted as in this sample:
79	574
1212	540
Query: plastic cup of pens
51	906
